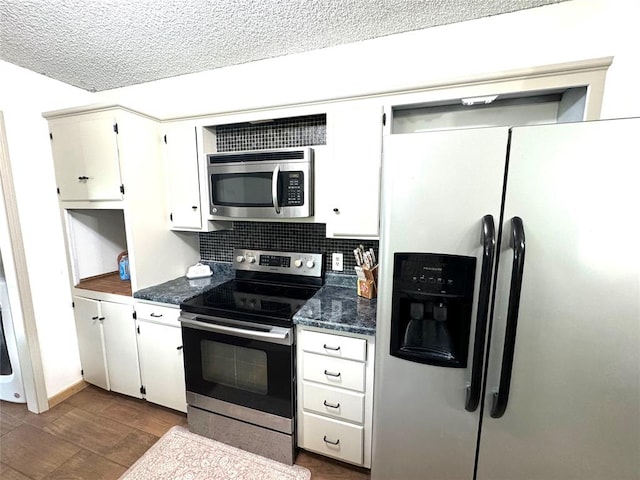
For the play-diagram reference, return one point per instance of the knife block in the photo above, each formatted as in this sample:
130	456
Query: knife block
367	286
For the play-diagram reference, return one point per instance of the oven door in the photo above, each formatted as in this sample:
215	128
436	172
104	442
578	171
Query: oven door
261	189
239	369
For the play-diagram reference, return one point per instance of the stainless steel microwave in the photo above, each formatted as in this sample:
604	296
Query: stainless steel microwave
261	183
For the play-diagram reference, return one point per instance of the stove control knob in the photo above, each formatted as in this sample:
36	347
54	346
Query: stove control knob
310	263
251	259
239	259
298	263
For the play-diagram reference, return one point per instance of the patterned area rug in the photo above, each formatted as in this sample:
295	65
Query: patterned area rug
182	455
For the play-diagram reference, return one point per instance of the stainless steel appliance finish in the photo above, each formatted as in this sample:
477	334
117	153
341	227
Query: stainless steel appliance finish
261	183
239	352
206	323
552	386
250	415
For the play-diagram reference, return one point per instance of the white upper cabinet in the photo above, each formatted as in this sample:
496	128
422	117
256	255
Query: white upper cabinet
85	153
181	155
112	178
187	184
355	142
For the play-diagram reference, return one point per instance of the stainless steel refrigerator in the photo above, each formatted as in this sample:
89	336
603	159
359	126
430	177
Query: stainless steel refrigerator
508	328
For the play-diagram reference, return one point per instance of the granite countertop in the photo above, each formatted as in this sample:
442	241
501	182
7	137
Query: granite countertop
180	289
337	306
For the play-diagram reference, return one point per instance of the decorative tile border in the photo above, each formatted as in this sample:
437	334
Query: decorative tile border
279	133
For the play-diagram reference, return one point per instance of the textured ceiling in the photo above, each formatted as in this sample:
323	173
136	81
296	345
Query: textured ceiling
103	44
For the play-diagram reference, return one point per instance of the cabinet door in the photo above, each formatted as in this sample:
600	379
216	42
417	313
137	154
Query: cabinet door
356	139
182	177
85	154
162	365
121	348
90	342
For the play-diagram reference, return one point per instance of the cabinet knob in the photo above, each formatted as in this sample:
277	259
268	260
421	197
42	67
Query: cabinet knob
327	347
331	374
94	318
331	405
336	210
179	348
101	318
194	207
155	315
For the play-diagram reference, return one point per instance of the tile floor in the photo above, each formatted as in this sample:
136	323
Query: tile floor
97	434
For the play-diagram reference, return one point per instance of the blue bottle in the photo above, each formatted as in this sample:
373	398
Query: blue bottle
124	268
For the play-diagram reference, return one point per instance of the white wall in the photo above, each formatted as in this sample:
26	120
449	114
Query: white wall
564	32
24	95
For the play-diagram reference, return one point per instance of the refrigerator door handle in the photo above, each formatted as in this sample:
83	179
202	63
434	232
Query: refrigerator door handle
501	397
489	247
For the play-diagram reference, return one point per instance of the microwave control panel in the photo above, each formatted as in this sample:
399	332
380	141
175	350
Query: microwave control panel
293	188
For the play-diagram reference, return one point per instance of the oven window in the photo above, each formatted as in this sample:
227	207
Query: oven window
238	367
242	189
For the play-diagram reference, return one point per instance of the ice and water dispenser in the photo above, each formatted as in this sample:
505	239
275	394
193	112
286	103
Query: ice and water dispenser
431	309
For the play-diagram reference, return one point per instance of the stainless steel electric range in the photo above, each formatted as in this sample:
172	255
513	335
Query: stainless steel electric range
239	352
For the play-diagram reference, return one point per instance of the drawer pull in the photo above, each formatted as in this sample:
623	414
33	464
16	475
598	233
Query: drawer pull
330	405
331	374
156	315
337	442
335	349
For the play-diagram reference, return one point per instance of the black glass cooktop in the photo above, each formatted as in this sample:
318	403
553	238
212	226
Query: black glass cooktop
261	302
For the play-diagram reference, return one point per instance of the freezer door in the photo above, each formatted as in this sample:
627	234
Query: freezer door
437	187
573	409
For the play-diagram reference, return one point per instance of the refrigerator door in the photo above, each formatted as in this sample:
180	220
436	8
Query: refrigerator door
437	187
573	410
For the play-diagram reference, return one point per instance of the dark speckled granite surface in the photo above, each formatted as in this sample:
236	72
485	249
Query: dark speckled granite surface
180	289
336	306
339	308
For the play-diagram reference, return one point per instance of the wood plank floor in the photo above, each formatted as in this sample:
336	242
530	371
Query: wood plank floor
96	434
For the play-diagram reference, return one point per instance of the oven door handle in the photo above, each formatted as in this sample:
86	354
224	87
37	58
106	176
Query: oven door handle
281	336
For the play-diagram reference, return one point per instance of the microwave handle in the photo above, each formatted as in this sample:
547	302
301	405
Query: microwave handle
274	188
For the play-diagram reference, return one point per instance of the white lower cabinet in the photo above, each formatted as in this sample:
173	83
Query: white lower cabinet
333	438
107	343
161	355
333	402
91	342
335	394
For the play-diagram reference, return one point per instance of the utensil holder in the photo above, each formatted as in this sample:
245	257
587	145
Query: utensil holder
367	282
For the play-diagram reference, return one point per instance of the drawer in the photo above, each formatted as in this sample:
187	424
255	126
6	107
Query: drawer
158	314
336	402
333	345
333	371
333	438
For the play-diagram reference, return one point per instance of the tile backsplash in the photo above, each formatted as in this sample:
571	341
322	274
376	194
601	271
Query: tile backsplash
278	133
280	236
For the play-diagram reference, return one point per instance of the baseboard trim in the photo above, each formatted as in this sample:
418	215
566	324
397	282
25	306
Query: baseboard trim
63	395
